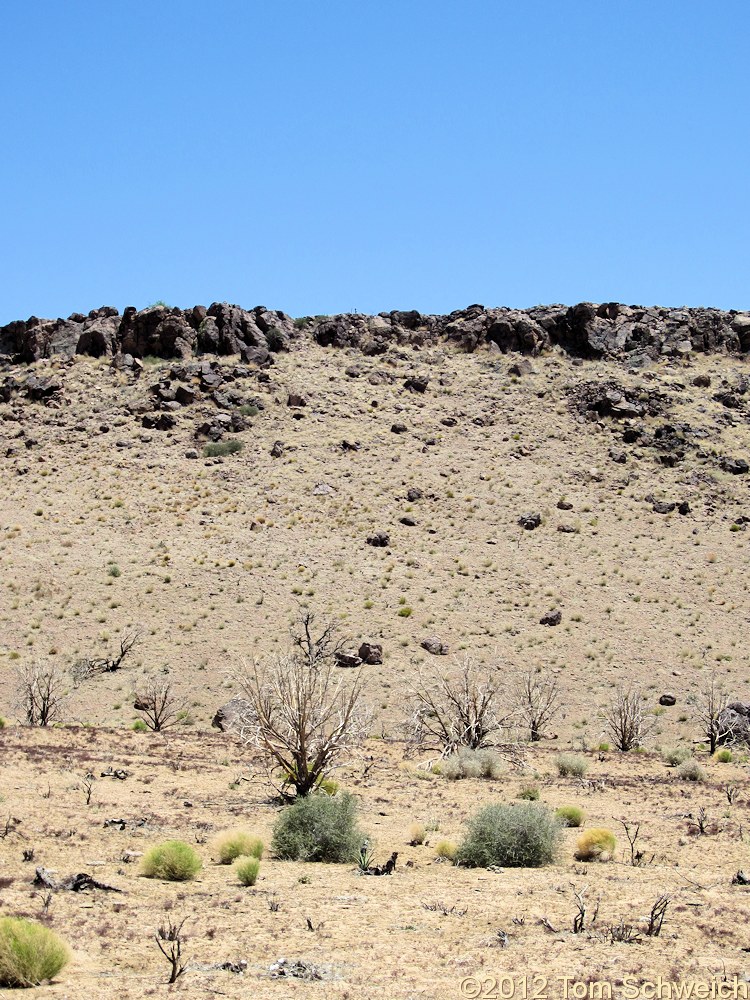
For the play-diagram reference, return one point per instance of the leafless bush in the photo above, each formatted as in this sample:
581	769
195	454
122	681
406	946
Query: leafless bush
579	919
87	667
40	692
158	704
170	941
458	710
709	709
627	719
538	700
305	714
656	917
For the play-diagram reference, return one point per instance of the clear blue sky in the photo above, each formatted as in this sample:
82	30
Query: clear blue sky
336	155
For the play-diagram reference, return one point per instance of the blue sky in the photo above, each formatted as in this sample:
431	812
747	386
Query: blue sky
337	155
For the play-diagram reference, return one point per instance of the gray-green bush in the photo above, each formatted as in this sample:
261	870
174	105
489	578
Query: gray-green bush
471	764
318	827
571	765
217	448
524	835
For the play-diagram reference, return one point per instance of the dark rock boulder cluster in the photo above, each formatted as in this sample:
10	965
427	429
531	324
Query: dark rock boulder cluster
158	331
635	333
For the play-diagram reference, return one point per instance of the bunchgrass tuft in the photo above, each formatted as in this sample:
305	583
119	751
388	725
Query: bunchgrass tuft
173	861
570	815
234	844
246	870
596	844
29	953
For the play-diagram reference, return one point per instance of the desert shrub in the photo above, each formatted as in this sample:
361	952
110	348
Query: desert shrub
674	756
529	793
571	765
596	844
247	870
249	410
234	844
220	448
139	726
29	953
3	722
691	771
523	836
417	834
173	861
468	763
570	815
604	747
446	849
318	828
721	756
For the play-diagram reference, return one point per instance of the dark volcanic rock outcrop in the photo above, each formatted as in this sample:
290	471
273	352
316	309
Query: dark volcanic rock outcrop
635	334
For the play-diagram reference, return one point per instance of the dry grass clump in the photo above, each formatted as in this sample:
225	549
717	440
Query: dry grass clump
417	834
233	844
596	844
446	849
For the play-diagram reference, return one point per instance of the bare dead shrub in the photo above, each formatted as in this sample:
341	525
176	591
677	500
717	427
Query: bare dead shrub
627	720
538	701
304	712
88	667
40	692
159	705
709	709
457	709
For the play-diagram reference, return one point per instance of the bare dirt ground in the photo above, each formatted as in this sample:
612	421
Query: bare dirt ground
102	530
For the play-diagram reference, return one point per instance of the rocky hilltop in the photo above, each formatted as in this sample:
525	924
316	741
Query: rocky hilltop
611	330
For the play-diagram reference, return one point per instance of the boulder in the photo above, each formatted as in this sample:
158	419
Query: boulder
232	715
371	653
435	646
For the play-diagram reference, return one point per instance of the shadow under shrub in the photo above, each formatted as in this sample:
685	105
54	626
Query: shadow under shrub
318	827
173	861
29	953
525	835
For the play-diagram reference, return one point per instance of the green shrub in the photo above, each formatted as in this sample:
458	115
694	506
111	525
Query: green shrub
604	747
721	756
570	815
571	765
173	861
674	756
529	793
235	844
216	448
139	726
29	953
249	410
3	722
596	844
247	870
522	836
318	828
691	771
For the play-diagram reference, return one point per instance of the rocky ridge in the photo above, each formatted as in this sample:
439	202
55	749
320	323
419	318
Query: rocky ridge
637	334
